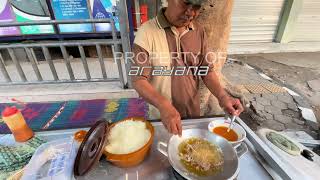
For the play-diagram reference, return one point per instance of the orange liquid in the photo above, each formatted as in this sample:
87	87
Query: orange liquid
80	135
22	134
222	131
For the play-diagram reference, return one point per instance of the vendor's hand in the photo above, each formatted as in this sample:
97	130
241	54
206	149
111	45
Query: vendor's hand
170	118
231	105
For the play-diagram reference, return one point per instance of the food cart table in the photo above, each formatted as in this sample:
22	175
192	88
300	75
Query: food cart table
156	166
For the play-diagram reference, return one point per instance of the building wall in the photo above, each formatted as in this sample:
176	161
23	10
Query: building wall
257	21
308	24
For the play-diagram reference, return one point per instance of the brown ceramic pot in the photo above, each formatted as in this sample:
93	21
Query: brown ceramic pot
134	158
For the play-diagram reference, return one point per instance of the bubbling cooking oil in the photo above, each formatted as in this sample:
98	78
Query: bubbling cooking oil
201	157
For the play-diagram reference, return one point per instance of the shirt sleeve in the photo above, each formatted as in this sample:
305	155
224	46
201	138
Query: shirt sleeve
140	63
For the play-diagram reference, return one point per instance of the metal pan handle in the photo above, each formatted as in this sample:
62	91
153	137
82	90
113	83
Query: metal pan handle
164	152
241	149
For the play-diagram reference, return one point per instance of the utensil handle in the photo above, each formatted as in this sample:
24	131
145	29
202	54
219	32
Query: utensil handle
164	152
241	149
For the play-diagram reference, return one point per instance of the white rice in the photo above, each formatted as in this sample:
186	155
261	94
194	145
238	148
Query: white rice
127	137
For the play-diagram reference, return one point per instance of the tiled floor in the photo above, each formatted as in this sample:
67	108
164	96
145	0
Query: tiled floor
272	107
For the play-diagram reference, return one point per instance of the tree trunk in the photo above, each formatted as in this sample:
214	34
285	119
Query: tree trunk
215	16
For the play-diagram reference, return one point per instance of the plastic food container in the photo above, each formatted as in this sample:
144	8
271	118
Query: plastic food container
53	160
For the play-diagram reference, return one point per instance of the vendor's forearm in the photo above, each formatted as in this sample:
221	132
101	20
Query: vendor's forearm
213	84
147	91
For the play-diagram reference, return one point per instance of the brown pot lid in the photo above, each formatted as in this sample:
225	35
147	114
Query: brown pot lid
91	148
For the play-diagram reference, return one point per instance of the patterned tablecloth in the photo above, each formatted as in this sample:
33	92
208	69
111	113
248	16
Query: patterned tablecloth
77	114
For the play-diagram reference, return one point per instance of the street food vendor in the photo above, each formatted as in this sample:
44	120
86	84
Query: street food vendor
171	54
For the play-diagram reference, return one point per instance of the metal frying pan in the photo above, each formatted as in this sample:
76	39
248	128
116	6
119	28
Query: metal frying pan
230	166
